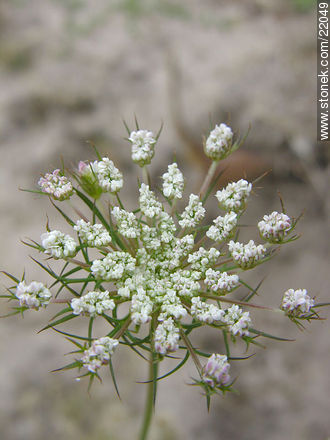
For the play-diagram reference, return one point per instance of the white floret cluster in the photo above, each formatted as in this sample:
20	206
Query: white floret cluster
238	321
297	302
173	182
127	223
99	353
92	235
33	295
234	196
274	227
56	185
100	176
92	304
166	338
218	144
58	245
205	312
202	259
246	255
149	205
113	266
223	227
215	372
193	213
221	282
143	144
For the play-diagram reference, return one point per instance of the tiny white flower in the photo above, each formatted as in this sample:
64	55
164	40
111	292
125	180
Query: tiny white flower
205	312
56	185
193	213
127	223
246	255
92	304
166	338
223	227
109	177
58	245
274	227
99	353
33	295
149	205
143	144
218	144
173	182
113	266
238	321
215	372
297	302
234	196
202	259
221	282
92	235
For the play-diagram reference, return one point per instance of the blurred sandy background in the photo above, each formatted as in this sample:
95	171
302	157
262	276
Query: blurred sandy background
70	71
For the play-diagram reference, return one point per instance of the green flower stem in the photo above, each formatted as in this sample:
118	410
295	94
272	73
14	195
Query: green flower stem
208	179
149	406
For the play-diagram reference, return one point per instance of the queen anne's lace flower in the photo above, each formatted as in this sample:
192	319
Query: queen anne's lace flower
166	338
127	223
113	266
234	196
218	144
58	245
109	177
205	312
274	227
223	227
215	372
202	259
246	255
193	213
99	353
238	321
173	182
149	205
92	235
296	302
93	303
143	144
56	185
141	307
221	282
33	295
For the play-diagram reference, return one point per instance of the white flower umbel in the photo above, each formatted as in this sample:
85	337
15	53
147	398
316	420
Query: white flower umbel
166	337
246	255
113	266
92	304
58	245
218	144
296	302
274	227
221	282
205	312
185	283
92	235
238	321
143	144
127	223
149	205
202	259
173	182
215	372
109	177
99	353
166	228
56	185
33	295
141	308
234	196
193	213
223	227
